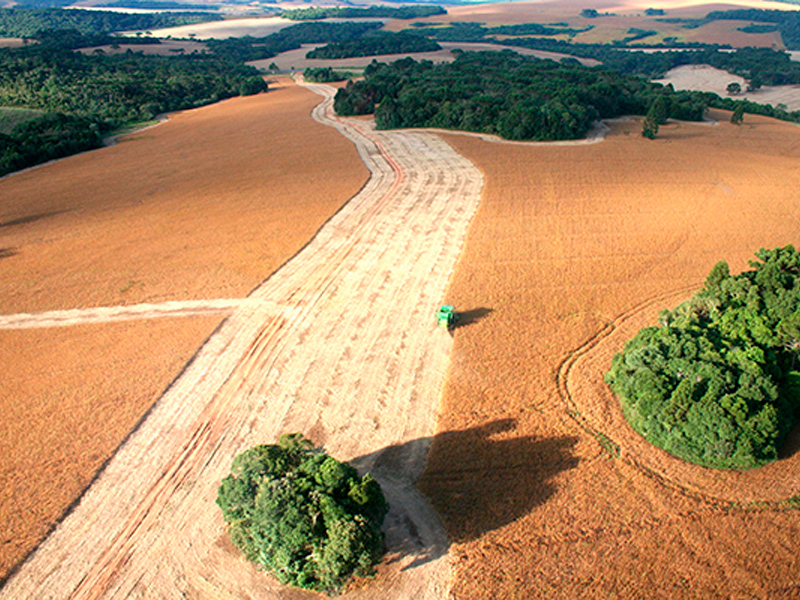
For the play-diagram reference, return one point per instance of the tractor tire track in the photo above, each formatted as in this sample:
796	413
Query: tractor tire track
340	344
596	409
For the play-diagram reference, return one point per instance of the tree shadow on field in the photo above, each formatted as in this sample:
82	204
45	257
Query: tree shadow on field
791	445
478	480
30	218
482	478
468	317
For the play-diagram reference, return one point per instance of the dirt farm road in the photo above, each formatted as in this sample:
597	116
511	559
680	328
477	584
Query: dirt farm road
339	344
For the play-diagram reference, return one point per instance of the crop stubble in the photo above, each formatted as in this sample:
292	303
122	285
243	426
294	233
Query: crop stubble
572	250
204	206
340	344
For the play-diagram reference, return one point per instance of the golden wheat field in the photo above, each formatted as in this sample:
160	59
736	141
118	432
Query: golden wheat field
201	207
570	243
616	19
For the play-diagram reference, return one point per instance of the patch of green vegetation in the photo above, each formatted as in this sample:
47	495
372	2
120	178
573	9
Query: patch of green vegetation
786	21
81	98
375	44
505	94
716	383
325	75
246	49
28	22
416	11
753	28
476	32
304	516
10	117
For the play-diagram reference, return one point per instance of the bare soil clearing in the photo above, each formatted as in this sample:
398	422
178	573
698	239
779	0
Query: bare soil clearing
573	249
340	344
706	78
202	207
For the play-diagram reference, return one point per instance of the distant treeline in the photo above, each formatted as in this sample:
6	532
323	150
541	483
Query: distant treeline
416	11
767	66
786	21
503	93
375	44
160	5
248	48
325	75
84	97
476	32
19	22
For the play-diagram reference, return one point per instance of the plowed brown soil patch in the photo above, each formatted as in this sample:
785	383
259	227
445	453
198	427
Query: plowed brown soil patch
204	206
571	249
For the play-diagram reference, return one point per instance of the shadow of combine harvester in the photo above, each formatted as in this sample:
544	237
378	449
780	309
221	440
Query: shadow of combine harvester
448	318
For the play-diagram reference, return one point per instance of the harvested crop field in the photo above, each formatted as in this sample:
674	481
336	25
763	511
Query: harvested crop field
706	78
544	490
339	343
202	207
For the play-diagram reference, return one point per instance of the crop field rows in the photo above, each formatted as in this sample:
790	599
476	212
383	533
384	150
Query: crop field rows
166	223
572	250
340	344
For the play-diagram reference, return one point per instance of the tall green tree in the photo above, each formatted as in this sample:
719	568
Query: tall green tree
303	515
716	383
737	118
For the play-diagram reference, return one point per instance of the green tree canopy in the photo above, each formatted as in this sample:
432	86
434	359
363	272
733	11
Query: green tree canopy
303	515
505	94
716	383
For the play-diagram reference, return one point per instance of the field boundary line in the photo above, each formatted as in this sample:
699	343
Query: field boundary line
107	314
620	451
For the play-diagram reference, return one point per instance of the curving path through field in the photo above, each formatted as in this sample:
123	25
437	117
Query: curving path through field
592	404
340	344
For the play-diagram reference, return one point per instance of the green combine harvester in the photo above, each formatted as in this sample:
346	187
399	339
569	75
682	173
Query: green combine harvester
446	316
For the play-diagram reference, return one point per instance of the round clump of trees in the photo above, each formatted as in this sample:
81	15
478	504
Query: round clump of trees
718	382
304	516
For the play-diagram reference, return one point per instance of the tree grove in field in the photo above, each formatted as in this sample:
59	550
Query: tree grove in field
503	93
717	382
303	515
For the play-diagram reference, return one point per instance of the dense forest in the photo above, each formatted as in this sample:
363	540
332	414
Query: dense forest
325	75
304	516
84	97
416	11
476	32
503	93
248	48
717	383
46	138
17	22
375	44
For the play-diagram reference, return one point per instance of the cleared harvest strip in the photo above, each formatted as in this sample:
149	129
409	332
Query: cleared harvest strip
340	344
105	314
